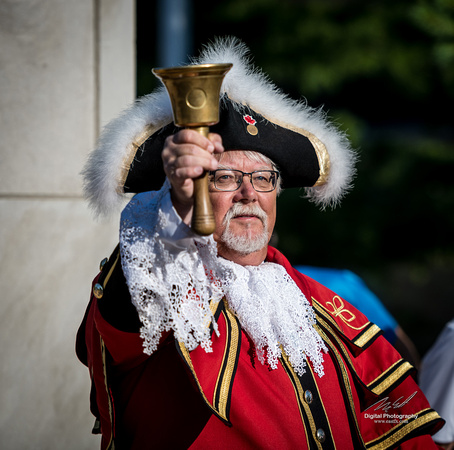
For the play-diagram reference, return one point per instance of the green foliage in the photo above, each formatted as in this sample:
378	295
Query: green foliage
385	72
436	19
384	69
329	49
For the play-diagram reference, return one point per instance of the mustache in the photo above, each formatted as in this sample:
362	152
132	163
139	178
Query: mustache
239	209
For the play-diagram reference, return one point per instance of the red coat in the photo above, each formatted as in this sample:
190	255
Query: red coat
227	399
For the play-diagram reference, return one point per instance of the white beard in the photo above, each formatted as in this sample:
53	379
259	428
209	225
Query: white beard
245	244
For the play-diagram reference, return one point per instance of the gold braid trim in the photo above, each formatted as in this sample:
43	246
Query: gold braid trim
111	444
369	333
393	374
224	381
322	154
229	361
131	152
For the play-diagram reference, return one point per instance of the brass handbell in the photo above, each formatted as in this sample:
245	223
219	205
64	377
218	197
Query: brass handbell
194	94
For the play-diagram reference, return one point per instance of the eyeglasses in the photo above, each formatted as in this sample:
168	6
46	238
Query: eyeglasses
231	180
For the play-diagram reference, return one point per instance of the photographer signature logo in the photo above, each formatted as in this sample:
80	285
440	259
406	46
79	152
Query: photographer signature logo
384	411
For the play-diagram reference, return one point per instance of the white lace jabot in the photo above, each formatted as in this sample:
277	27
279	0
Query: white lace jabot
165	263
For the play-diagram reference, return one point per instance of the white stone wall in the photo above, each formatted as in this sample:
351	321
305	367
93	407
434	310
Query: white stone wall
66	68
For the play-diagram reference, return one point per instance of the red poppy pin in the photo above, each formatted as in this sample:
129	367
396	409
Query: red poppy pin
251	128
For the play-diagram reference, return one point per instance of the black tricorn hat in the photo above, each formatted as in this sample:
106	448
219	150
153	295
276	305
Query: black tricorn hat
254	115
241	128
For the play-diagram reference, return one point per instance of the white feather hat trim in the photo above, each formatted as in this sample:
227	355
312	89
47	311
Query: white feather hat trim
107	166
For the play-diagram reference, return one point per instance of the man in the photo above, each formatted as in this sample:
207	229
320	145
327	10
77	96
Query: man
217	342
437	382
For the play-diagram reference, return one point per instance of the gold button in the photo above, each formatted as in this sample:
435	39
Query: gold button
103	263
98	290
321	435
308	397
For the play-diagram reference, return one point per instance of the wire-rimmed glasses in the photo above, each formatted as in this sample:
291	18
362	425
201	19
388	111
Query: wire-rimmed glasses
231	179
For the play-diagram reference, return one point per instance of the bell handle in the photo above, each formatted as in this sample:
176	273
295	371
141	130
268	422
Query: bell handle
202	216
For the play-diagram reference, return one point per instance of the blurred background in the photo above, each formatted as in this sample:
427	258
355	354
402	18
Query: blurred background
384	72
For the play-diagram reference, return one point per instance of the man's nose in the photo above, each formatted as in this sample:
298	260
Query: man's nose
246	192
